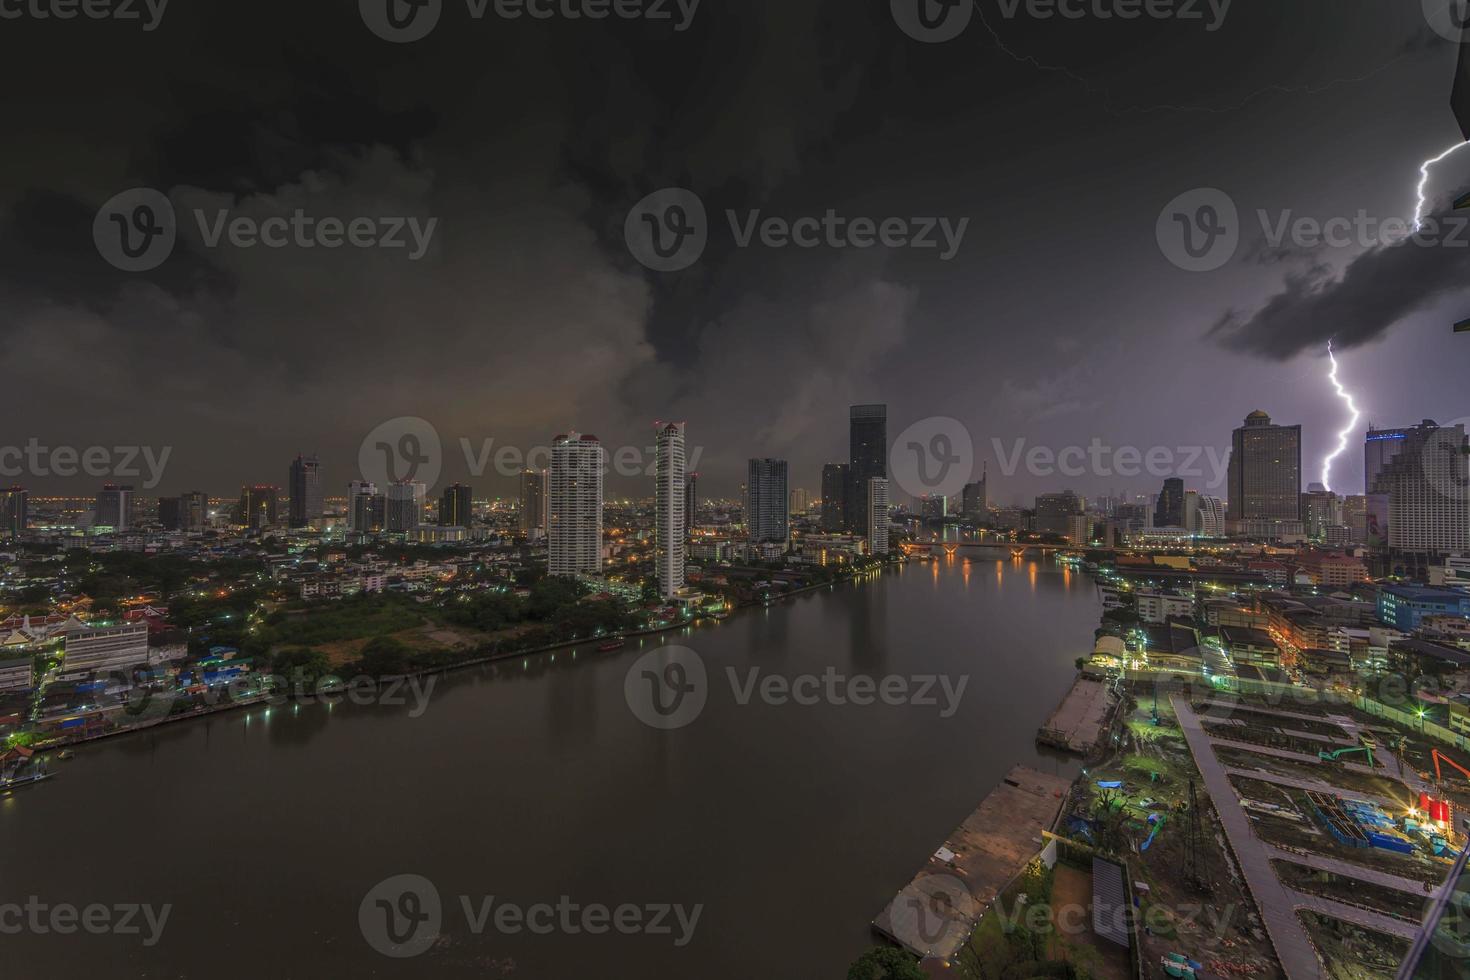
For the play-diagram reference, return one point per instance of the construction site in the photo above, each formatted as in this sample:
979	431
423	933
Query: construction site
1268	839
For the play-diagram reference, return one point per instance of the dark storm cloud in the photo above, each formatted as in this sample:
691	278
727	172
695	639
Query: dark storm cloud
1375	292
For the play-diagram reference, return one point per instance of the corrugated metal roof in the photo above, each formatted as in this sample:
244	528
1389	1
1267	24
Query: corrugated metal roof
1109	902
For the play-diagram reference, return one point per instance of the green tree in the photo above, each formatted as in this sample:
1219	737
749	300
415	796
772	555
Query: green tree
885	963
383	656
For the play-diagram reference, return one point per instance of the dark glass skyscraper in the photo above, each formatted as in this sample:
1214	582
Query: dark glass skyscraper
305	490
834	497
456	508
867	458
766	501
13	504
258	506
1170	509
1265	475
115	507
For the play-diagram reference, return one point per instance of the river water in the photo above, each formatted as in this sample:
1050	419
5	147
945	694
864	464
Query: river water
790	826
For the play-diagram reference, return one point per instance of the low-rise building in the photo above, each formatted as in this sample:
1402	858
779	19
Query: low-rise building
1247	645
1157	607
18	674
1404	607
93	649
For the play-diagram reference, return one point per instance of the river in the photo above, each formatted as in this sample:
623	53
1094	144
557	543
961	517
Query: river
790	826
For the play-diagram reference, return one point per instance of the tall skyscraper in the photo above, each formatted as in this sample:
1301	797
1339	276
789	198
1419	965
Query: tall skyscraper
1265	472
867	458
305	489
1054	512
834	497
1209	518
800	501
193	510
533	501
456	506
878	516
360	498
404	506
114	507
1426	486
691	500
1379	446
258	506
671	526
766	500
574	518
973	503
13	511
1320	509
1169	512
170	516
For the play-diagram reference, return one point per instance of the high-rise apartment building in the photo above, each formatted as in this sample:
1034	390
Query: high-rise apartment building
456	506
671	526
404	505
533	501
258	506
1054	512
878	516
1379	447
1320	510
766	500
834	497
1426	486
1265	473
14	502
1169	511
867	458
305	490
361	498
574	514
974	506
800	501
193	510
114	507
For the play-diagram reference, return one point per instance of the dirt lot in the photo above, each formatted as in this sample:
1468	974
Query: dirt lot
1217	925
1348	781
1389	901
1352	953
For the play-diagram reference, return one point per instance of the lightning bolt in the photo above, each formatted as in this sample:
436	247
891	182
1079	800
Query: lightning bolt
1423	200
1342	437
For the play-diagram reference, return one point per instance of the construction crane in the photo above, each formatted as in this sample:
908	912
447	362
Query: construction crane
1439	756
1334	756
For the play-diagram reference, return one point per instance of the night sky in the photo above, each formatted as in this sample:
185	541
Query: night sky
1059	320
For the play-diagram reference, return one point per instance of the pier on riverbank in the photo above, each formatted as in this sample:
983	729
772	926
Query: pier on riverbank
1079	721
935	913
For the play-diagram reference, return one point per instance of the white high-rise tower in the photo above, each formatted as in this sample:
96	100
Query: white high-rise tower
672	523
574	519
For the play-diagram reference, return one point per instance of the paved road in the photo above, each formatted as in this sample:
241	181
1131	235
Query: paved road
1278	911
1347	869
1314	785
1376	921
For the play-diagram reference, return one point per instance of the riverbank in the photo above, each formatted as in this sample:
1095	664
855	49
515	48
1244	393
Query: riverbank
272	698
